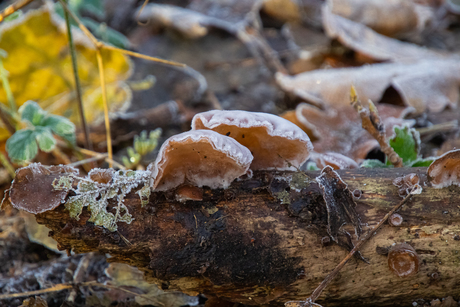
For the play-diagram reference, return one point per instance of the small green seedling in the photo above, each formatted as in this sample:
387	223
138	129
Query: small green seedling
143	145
41	127
406	143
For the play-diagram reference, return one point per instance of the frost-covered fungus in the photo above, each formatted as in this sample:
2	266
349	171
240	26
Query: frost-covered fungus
445	170
403	260
37	188
276	143
333	159
406	184
200	158
395	220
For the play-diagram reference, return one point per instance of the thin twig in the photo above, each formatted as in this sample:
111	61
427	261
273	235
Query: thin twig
100	65
317	292
124	239
79	274
5	118
91	153
6	86
142	56
60	287
78	91
140	11
98	44
6	163
10	9
97	154
84	29
89	160
372	123
442	127
55	288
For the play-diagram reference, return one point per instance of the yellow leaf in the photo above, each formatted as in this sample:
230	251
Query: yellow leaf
40	68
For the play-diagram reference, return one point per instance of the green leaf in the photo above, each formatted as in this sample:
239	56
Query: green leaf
22	146
422	162
126	162
71	138
13	16
406	144
31	112
106	34
372	163
61	126
93	6
311	166
45	139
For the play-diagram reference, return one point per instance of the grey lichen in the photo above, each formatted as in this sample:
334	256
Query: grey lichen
299	181
98	188
144	194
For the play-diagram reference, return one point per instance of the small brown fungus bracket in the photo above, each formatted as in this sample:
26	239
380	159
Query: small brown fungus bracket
445	170
403	260
406	184
340	207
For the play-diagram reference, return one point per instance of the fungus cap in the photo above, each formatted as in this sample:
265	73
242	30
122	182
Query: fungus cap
403	260
406	184
200	158
275	142
395	220
445	170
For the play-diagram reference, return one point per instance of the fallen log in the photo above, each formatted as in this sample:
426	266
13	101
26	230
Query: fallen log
265	240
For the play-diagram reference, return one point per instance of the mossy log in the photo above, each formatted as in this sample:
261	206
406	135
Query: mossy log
261	240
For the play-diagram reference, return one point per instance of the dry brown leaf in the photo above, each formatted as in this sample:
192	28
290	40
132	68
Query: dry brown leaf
238	17
334	160
307	45
427	85
339	130
377	46
36	301
38	233
389	18
306	11
193	22
32	189
123	275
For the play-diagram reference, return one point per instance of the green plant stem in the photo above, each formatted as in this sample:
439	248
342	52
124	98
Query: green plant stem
6	163
6	86
6	119
73	55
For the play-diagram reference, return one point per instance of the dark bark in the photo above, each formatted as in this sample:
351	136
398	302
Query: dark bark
260	241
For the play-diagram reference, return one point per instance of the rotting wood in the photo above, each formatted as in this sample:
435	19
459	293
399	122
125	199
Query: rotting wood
259	241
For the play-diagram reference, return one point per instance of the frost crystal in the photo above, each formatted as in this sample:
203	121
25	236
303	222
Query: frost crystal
94	191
